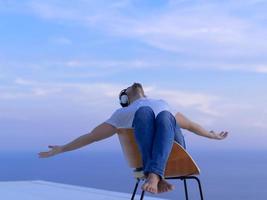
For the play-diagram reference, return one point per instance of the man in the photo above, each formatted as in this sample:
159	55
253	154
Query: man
155	128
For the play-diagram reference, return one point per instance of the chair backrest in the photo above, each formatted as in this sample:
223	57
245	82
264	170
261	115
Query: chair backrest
179	163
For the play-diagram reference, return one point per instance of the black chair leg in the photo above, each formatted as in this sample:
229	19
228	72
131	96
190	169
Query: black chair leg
185	187
185	190
199	186
183	178
142	195
135	188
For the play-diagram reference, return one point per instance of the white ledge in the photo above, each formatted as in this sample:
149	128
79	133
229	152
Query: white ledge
45	190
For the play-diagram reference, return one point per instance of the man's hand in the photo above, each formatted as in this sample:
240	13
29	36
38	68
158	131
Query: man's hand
218	136
54	150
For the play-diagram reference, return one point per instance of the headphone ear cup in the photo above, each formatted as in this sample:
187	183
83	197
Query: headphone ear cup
124	99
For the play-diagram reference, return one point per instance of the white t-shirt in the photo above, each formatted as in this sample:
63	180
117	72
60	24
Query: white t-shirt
123	117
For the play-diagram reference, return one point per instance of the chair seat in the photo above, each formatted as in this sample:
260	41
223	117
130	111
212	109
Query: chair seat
179	163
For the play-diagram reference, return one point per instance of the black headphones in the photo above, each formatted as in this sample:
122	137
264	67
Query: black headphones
124	100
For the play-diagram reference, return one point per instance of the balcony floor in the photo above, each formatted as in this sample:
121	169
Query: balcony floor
44	190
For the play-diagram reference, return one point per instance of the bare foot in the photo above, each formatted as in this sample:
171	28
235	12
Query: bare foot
151	183
164	186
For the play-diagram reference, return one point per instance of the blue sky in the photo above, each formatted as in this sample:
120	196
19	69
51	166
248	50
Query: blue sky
63	63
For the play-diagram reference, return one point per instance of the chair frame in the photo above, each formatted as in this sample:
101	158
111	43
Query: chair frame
182	178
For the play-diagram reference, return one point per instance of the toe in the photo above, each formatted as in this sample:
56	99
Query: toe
172	187
144	186
165	189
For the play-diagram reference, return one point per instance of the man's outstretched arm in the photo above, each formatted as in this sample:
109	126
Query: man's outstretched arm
100	132
191	126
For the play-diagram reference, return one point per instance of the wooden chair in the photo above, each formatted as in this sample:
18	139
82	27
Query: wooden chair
180	165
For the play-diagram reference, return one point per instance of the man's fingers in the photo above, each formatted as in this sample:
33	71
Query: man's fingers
41	154
224	134
44	154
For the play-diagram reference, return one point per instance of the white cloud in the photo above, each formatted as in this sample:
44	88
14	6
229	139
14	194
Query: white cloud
262	69
203	103
53	11
21	81
208	105
101	99
122	64
227	40
73	91
45	91
11	95
109	67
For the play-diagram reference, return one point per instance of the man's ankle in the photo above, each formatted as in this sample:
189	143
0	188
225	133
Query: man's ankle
153	175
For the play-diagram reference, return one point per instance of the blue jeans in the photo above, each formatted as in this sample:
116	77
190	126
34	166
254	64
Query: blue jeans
155	136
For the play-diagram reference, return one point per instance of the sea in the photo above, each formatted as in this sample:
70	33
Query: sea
225	174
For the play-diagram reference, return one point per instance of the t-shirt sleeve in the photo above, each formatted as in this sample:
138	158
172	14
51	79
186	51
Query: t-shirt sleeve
114	120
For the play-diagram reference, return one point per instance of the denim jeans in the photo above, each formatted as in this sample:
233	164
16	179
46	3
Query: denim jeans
155	136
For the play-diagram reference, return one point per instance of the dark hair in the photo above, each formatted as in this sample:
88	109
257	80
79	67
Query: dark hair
139	85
